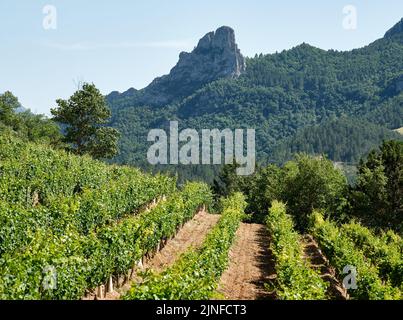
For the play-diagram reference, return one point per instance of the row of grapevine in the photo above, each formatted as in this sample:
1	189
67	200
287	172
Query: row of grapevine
296	280
385	251
105	193
28	168
341	252
196	274
63	186
74	262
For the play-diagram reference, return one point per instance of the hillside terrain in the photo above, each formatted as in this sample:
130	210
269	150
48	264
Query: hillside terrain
303	99
73	227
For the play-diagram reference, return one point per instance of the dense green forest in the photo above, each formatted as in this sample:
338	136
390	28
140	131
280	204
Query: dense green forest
337	104
304	99
341	139
306	183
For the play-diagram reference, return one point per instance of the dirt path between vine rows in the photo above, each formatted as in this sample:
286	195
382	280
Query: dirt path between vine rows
319	262
251	265
192	234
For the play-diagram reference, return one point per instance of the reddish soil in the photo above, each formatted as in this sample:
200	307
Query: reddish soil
319	262
251	266
191	235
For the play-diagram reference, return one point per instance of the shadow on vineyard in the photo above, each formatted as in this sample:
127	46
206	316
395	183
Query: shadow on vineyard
251	266
318	261
266	264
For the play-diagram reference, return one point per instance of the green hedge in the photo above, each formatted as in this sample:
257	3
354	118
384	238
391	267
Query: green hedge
86	261
342	252
295	279
196	274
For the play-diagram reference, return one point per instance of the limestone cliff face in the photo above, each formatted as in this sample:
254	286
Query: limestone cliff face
216	56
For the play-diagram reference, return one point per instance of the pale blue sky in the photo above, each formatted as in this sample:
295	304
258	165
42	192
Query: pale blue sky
121	44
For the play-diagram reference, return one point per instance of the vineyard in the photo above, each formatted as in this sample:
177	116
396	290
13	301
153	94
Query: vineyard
75	228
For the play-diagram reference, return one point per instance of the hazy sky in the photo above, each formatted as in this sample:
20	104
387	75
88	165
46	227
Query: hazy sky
127	43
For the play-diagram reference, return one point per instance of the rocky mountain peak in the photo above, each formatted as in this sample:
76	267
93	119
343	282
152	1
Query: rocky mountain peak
216	56
222	39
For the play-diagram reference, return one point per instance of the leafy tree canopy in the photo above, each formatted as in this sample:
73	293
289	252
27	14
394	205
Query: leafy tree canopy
83	117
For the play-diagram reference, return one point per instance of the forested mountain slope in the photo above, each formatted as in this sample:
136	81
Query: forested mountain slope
354	98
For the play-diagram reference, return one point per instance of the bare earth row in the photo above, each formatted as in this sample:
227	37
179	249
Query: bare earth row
251	272
191	235
251	267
